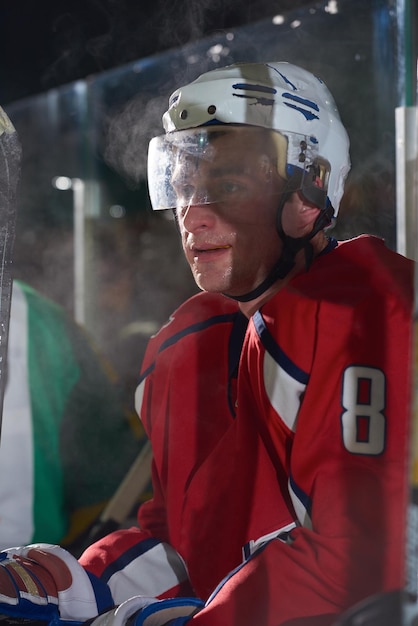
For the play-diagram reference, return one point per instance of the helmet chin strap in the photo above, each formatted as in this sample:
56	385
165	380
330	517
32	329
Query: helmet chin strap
291	246
282	268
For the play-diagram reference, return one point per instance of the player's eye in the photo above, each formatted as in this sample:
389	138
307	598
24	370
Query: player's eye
184	192
229	187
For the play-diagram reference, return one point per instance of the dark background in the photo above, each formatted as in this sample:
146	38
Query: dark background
48	43
100	133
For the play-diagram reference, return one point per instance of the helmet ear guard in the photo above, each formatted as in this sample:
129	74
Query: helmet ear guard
312	182
311	189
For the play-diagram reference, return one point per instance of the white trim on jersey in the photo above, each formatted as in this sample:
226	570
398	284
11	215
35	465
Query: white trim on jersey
300	509
152	573
139	396
253	545
284	391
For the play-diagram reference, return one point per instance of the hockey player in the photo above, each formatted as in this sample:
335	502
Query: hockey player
285	505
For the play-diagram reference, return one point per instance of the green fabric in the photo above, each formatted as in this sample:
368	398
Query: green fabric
83	442
53	372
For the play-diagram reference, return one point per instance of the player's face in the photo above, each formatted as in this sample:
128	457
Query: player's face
231	243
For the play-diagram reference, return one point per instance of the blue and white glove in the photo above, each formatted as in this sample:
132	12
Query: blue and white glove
144	611
45	582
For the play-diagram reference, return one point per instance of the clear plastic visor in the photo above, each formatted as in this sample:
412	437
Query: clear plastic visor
227	163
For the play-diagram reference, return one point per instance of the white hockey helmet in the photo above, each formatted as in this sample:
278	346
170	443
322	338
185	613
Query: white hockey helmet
278	96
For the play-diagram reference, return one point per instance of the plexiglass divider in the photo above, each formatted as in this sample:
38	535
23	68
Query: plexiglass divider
97	130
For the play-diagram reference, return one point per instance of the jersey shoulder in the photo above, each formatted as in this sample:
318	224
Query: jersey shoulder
355	284
196	315
203	305
359	268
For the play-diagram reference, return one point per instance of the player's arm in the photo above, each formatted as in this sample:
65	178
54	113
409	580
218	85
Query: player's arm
140	560
348	470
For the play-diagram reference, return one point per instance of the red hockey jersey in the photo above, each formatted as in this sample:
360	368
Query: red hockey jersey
187	394
293	503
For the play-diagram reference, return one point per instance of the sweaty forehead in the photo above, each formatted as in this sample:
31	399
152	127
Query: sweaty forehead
228	152
244	142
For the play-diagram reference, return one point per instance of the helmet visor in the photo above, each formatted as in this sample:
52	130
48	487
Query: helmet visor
218	164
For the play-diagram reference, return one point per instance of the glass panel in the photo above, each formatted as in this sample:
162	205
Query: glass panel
124	262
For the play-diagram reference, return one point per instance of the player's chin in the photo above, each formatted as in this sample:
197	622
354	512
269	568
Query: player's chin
210	286
210	279
211	282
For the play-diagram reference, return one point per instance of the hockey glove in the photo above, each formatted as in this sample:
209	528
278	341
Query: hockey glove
143	611
45	582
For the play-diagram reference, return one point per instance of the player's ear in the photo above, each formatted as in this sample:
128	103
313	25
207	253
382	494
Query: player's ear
298	215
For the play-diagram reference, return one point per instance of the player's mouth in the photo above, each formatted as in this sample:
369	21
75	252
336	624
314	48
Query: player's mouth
209	253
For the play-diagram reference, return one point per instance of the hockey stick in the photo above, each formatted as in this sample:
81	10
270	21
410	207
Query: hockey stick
10	162
10	158
127	494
